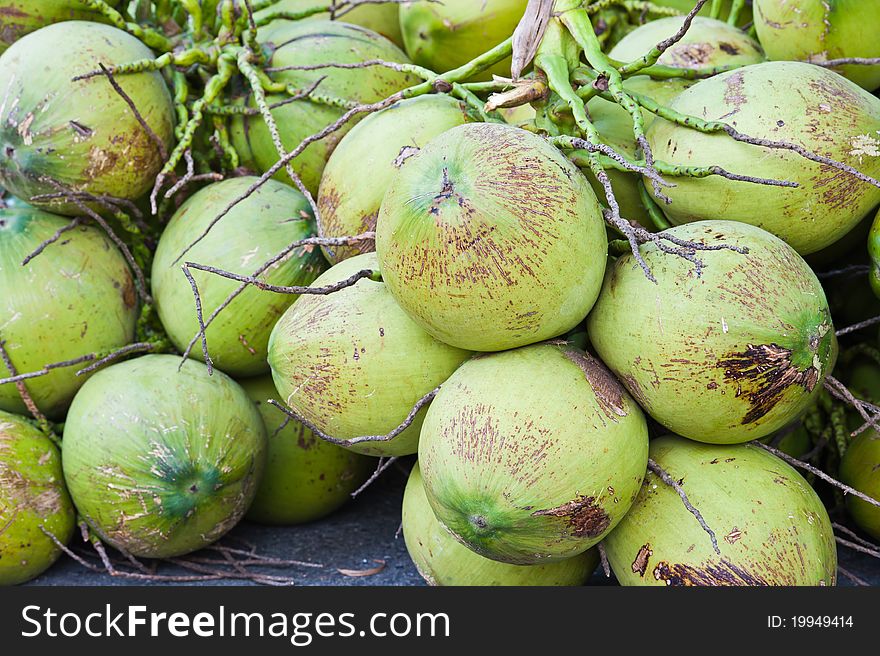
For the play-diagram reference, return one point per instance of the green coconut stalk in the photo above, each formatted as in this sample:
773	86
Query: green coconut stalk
819	31
860	469
490	239
162	462
749	341
33	498
317	43
615	125
771	527
252	233
354	364
305	478
444	36
780	101
59	134
383	19
708	44
684	6
532	455
362	166
442	560
78	297
20	17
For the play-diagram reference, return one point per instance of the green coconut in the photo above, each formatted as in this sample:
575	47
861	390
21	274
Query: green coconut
20	17
32	497
444	36
59	133
362	166
305	478
489	238
383	19
616	127
860	469
271	218
77	297
771	527
317	42
161	462
781	101
749	342
532	455
819	30
442	560
353	363
874	252
708	43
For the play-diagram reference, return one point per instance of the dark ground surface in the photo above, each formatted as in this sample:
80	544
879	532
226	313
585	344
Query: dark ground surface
354	538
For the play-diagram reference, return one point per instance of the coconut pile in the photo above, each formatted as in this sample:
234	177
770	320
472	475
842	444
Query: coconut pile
603	277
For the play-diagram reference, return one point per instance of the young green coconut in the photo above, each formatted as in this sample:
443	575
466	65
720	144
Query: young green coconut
748	338
708	44
353	364
62	137
273	217
78	297
363	165
444	36
819	31
532	455
20	17
160	457
489	238
860	469
33	501
383	18
292	48
442	560
305	478
792	102
769	525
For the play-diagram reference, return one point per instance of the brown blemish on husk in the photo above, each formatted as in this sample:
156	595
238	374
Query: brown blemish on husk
640	564
762	374
734	95
691	55
585	517
608	392
724	574
30	495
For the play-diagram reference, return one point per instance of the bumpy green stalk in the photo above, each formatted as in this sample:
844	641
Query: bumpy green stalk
735	10
225	70
580	27
715	10
654	212
221	135
181	95
150	37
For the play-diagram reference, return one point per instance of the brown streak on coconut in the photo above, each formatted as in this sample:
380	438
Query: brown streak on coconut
768	371
585	517
724	573
606	388
640	564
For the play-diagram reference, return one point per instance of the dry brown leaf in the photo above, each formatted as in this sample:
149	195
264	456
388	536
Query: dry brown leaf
528	34
358	573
